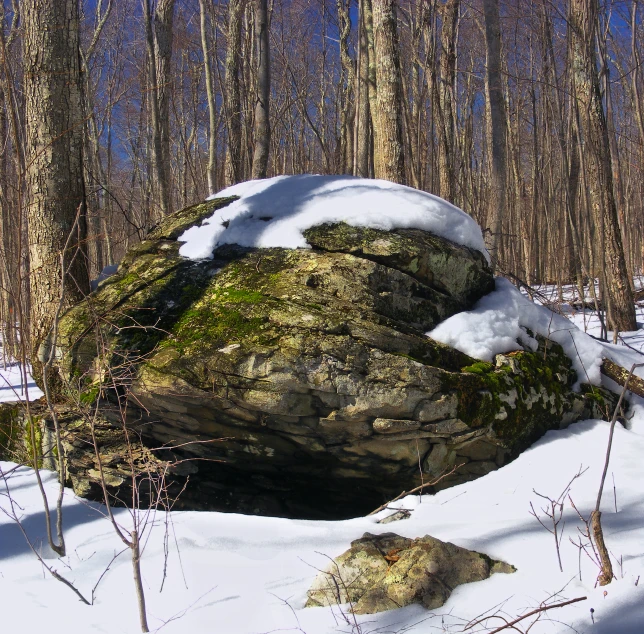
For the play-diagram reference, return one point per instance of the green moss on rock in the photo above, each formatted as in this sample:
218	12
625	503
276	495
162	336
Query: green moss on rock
524	394
172	226
11	433
292	355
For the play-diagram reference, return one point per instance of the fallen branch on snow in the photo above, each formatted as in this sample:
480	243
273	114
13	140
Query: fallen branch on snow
541	608
622	377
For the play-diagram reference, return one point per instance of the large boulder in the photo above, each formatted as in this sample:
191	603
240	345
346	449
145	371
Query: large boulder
300	381
385	572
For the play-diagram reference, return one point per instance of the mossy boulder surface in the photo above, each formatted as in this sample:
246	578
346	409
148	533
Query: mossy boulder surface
12	434
385	572
301	380
122	459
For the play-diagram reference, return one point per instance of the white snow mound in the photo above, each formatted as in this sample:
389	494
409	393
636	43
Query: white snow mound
499	321
276	211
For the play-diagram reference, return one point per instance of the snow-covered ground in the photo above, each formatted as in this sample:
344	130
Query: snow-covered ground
235	574
12	385
245	574
587	319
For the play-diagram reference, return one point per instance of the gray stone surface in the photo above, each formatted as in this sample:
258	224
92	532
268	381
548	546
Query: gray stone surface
385	572
301	381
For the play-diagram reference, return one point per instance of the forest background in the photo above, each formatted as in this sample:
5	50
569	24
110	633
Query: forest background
526	114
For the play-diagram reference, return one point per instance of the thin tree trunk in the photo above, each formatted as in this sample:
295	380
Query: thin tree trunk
157	168
583	23
234	171
372	92
163	35
363	114
389	160
210	96
347	81
636	64
497	129
262	122
446	157
138	582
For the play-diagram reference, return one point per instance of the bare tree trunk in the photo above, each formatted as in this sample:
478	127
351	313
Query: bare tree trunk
54	160
232	95
163	31
7	240
11	224
138	582
363	114
367	22
446	157
636	65
262	123
497	129
210	96
389	160
347	82
594	131
157	153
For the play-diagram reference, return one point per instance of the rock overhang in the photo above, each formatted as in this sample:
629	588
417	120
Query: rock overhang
313	364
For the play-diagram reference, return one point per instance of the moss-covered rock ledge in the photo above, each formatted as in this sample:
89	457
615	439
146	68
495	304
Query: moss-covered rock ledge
301	380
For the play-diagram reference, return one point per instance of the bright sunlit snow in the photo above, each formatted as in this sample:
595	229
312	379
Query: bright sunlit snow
238	574
276	211
234	574
565	301
499	322
12	384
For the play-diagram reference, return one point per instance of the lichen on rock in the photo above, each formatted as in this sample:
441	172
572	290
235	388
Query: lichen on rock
387	571
301	379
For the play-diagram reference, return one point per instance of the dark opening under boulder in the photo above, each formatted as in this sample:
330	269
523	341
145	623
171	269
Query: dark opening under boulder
301	381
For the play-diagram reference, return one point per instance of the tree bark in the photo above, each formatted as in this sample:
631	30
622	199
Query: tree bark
7	238
210	97
163	32
496	130
262	123
138	581
389	160
446	157
363	114
347	82
622	377
372	92
594	136
160	173
232	93
54	162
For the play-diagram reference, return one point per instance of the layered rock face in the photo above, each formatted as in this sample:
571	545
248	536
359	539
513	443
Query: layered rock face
299	382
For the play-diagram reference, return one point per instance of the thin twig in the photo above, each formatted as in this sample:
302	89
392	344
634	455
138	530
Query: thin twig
610	435
116	555
538	610
415	490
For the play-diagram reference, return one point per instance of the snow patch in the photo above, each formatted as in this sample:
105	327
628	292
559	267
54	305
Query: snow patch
275	212
107	271
500	322
13	387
